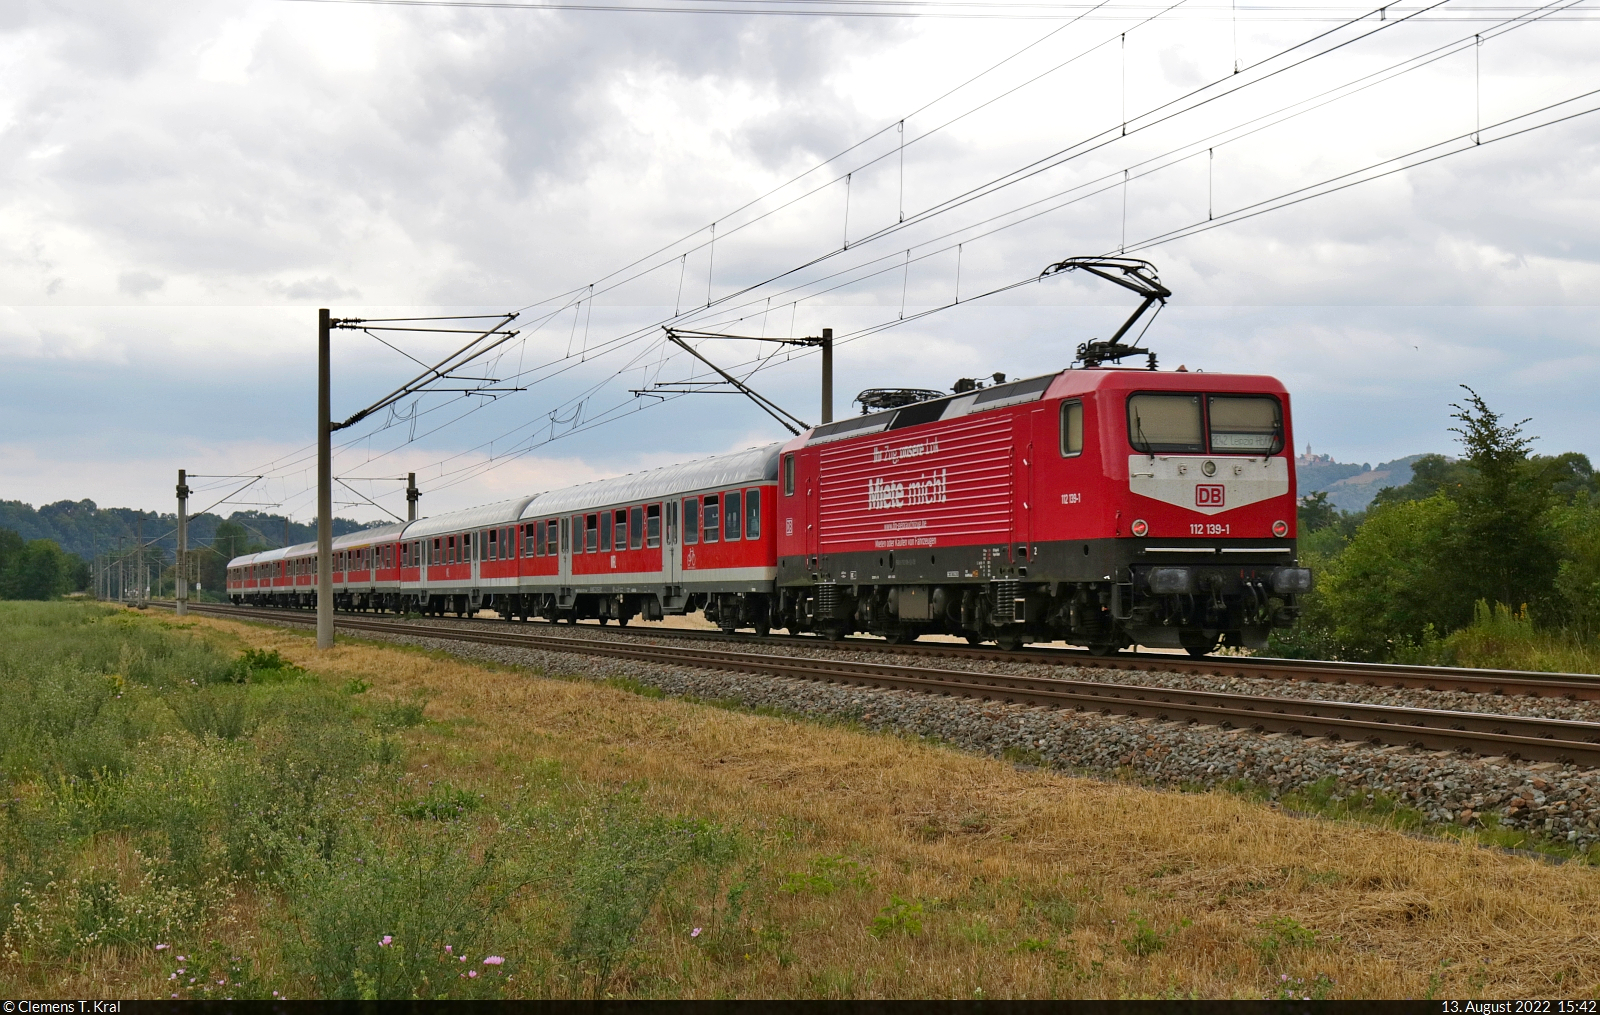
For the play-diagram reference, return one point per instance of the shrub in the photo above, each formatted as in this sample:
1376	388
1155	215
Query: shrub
898	917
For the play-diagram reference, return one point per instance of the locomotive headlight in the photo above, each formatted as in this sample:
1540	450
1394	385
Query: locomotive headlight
1209	468
1291	579
1140	527
1280	528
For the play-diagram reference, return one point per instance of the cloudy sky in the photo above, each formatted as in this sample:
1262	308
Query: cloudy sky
184	184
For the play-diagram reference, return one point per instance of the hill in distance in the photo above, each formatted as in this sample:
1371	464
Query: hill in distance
1350	487
83	528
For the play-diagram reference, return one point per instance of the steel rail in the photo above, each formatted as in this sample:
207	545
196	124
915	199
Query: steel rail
1466	680
1523	737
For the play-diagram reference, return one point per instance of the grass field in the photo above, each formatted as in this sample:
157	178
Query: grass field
212	809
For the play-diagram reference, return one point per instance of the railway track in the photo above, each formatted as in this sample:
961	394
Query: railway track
1571	686
1522	737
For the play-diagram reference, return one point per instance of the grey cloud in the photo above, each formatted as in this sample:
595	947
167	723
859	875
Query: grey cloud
138	283
325	288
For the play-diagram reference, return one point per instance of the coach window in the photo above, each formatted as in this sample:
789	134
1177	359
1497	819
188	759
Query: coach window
605	532
691	520
1245	424
577	533
538	539
636	528
591	533
752	514
1071	429
563	535
493	546
467	556
1165	424
551	544
730	515
788	475
712	515
652	526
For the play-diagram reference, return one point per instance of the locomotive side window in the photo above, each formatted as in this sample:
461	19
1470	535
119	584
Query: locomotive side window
752	514
712	513
605	532
636	528
1165	424
652	526
1245	423
788	475
691	520
1071	429
730	516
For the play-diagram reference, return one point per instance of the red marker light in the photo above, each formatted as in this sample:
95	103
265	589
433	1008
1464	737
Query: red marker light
1280	528
1140	527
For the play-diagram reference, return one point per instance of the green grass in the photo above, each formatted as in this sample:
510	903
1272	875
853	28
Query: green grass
193	807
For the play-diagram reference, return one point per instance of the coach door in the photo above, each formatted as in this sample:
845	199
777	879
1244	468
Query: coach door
565	567
669	546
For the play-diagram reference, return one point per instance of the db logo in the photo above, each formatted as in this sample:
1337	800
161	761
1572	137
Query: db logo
1209	495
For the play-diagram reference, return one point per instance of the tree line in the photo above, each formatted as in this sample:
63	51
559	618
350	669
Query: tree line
1500	531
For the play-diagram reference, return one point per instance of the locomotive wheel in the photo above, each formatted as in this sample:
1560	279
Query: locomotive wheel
1010	642
901	637
622	621
763	629
1105	648
603	621
974	639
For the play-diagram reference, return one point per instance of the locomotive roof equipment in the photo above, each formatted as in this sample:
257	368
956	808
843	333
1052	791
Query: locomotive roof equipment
1130	273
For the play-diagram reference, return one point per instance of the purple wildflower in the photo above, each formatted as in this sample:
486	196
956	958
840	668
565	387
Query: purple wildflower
494	960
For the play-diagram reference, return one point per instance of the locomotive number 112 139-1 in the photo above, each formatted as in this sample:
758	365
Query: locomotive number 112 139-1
1208	529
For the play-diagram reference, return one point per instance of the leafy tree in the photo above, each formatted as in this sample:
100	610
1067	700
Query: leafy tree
1430	474
1501	548
37	569
1315	513
1393	581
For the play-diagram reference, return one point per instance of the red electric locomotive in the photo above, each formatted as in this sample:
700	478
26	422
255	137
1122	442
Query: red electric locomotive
1103	506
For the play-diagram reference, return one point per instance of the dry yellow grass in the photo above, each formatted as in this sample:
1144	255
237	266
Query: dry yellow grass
986	849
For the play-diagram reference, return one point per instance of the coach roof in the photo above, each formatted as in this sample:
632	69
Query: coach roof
487	516
365	537
757	465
